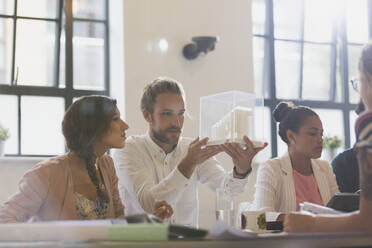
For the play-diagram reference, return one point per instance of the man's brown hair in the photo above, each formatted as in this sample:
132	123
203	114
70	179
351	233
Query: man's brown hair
159	86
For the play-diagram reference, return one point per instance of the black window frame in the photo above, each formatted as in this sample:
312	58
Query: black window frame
270	81
64	17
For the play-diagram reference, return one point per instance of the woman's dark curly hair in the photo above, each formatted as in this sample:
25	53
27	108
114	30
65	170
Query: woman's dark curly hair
290	117
85	122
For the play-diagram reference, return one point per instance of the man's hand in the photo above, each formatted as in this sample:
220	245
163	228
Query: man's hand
298	222
163	210
242	158
197	154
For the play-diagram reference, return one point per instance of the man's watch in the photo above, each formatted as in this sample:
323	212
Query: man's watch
241	175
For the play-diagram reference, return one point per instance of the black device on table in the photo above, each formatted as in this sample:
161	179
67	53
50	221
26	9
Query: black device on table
345	202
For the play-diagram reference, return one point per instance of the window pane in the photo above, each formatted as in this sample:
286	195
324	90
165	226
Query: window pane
88	50
62	61
339	84
9	119
266	130
92	9
353	57
35	52
333	124
7	7
258	66
41	130
6	45
316	72
38	8
319	20
287	19
258	16
353	117
357	21
287	69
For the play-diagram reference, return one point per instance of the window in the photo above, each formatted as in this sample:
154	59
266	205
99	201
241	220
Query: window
306	51
51	51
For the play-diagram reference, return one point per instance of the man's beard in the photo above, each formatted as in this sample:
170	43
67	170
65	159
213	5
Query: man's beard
161	136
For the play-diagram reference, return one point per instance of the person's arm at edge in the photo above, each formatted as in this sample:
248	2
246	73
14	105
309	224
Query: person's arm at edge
31	193
301	223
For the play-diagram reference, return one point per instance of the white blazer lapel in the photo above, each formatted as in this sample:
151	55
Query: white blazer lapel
288	182
322	182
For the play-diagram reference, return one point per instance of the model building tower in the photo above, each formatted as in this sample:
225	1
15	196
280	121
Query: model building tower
233	126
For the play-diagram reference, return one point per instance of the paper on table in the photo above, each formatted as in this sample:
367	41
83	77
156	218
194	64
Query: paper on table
317	209
222	231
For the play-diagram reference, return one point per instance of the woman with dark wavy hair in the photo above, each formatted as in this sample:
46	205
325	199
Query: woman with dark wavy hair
81	184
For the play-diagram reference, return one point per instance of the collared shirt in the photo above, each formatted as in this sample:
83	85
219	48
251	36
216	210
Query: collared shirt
147	175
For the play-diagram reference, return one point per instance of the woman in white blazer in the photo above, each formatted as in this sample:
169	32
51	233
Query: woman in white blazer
358	221
298	175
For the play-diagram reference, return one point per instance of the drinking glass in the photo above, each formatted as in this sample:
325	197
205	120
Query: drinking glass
224	207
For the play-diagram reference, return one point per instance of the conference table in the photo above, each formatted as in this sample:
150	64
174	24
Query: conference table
262	241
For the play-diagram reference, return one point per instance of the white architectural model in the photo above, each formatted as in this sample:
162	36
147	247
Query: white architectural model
229	116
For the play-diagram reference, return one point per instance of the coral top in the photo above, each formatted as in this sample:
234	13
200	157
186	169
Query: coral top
306	189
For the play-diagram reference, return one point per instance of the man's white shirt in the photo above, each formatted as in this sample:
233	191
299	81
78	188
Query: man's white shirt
147	175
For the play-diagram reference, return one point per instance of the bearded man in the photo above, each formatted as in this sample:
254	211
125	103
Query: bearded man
163	165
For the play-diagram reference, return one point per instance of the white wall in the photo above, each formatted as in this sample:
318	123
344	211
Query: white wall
228	67
117	53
